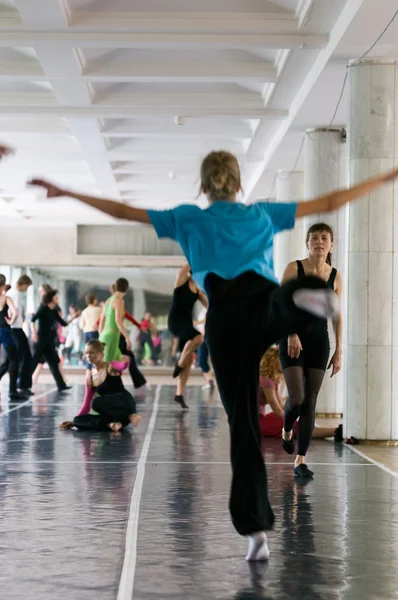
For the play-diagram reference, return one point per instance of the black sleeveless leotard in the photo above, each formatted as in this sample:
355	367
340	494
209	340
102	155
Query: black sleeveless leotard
180	316
112	384
315	340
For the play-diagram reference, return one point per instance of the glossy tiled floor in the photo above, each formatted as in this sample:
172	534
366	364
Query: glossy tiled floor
69	500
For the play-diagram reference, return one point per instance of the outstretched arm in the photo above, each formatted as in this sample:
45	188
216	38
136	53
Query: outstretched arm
335	200
114	209
132	320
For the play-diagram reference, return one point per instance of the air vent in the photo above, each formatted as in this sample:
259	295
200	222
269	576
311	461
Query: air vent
123	240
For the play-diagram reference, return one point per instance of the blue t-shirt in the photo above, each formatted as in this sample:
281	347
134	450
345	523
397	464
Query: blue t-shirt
227	238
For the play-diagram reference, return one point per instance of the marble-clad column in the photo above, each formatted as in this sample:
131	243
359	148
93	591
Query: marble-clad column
138	311
289	245
325	171
372	383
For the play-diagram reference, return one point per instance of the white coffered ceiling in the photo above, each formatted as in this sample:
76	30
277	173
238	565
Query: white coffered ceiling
90	91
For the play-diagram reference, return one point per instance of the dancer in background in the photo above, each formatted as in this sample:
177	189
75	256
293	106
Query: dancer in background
8	316
147	326
111	325
137	377
20	339
47	316
73	337
305	354
230	249
203	352
271	423
89	322
186	294
105	394
89	319
44	288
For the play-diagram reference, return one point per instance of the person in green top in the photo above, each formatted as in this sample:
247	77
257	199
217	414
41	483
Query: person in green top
111	325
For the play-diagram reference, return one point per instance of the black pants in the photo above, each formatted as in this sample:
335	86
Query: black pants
111	408
7	341
45	349
24	360
262	313
136	376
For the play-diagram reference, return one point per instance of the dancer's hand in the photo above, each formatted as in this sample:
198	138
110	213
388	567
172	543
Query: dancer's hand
335	362
52	190
129	345
294	346
5	151
35	338
66	425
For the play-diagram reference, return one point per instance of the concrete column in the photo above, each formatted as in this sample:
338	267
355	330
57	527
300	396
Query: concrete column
63	300
372	385
289	245
324	172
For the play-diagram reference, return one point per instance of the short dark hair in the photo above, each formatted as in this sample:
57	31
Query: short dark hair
90	298
24	280
122	285
48	296
2	280
46	287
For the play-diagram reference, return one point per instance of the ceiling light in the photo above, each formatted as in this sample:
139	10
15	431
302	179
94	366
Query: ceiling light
172	175
179	121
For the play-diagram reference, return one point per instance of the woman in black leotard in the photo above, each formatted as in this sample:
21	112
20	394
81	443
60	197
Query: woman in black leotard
305	355
186	294
105	394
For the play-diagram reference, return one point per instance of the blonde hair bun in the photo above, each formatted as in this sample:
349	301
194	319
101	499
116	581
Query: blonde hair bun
220	175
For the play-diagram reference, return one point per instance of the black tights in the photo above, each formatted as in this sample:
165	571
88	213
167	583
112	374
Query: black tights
136	376
303	387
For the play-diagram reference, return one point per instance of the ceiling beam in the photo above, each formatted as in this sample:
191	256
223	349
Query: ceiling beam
145	71
122	112
192	128
167	128
54	14
94	154
342	24
86	39
183	22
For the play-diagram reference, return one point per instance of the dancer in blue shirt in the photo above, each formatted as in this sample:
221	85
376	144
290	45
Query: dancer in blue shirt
229	247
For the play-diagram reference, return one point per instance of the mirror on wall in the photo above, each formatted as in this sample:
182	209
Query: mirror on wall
150	291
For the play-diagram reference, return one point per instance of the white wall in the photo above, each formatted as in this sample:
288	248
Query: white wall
27	245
